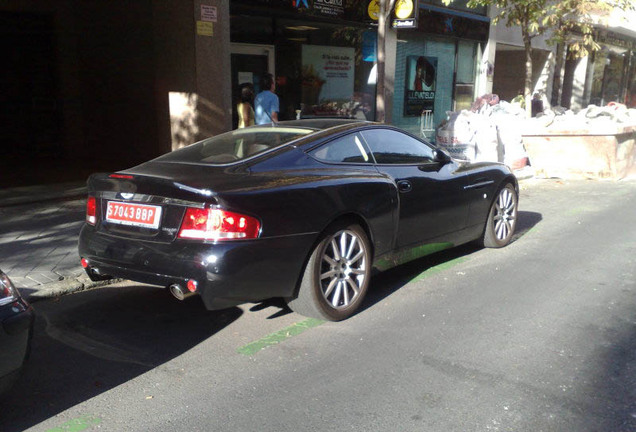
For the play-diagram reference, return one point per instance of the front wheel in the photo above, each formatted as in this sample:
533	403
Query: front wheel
336	276
502	218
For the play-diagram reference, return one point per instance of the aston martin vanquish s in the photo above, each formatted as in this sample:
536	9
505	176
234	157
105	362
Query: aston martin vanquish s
304	210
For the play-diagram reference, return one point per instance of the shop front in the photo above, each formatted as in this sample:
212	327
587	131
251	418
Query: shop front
437	65
321	52
613	68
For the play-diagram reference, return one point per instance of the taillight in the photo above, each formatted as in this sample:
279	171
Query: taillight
8	293
91	210
215	224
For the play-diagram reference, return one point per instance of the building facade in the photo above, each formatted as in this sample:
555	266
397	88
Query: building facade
104	85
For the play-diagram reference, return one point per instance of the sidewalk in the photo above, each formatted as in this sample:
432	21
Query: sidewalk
38	238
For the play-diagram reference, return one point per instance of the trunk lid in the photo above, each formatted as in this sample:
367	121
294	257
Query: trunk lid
148	202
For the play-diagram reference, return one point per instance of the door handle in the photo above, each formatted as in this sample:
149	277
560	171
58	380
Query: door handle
404	186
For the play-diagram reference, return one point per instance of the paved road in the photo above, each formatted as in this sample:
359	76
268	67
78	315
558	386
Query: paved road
538	336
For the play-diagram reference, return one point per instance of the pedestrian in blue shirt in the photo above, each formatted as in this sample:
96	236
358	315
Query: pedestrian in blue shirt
266	103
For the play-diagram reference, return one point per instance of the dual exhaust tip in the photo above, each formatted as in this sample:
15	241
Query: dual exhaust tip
181	293
177	290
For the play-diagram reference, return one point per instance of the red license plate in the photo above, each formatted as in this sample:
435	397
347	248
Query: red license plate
141	215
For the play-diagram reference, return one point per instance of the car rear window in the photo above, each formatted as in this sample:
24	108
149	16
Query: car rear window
236	145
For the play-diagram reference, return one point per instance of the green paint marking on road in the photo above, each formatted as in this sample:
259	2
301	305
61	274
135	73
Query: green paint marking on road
412	254
575	211
438	268
280	336
78	424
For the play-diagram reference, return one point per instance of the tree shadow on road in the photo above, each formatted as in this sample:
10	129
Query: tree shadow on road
90	342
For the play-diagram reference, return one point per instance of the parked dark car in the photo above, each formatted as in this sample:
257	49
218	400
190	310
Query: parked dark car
17	317
302	210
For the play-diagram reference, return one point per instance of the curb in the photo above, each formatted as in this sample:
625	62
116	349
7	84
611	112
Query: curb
67	286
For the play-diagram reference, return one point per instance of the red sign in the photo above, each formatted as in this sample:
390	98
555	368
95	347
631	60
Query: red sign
133	214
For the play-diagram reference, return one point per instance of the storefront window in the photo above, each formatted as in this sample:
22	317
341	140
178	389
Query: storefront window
465	85
448	70
322	69
606	83
630	99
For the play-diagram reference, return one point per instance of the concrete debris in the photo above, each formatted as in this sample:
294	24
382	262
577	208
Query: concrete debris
492	130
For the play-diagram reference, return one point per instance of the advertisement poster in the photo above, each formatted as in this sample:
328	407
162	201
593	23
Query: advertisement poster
327	74
421	79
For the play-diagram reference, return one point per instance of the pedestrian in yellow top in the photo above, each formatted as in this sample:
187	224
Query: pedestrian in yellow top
244	107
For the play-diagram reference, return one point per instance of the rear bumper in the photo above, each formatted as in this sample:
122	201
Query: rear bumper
227	273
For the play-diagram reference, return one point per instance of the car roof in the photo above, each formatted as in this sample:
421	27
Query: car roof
318	124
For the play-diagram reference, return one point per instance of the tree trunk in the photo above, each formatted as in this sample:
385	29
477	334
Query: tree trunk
556	79
527	43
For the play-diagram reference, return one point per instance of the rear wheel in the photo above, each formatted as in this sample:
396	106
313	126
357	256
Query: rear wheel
337	275
502	218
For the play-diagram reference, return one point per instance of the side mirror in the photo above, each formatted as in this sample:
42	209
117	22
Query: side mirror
440	156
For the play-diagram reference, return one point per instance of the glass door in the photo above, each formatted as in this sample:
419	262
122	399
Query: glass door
249	62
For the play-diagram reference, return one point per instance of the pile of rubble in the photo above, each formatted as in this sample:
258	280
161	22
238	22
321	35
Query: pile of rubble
593	118
492	130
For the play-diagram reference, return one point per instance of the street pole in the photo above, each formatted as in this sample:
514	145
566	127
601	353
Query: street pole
386	6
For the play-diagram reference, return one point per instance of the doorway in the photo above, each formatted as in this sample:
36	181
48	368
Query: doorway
249	62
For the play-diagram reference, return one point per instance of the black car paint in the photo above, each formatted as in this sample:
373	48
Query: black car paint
16	330
296	198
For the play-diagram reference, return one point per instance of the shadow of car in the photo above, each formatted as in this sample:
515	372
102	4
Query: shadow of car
16	329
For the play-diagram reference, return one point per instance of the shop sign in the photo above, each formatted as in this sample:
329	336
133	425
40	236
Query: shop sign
208	13
405	14
454	25
421	80
611	38
374	10
353	10
334	8
205	28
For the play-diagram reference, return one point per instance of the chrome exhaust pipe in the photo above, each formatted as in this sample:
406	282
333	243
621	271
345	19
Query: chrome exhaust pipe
178	292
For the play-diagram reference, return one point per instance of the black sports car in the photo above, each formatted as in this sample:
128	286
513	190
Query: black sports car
16	328
302	210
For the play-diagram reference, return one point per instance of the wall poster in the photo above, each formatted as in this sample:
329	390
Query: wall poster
421	79
327	73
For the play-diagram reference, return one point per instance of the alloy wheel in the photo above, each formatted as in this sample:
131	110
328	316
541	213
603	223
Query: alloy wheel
343	269
505	215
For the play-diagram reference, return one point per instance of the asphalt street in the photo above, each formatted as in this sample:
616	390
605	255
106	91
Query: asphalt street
537	336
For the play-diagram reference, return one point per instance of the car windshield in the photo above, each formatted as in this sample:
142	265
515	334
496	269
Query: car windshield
236	145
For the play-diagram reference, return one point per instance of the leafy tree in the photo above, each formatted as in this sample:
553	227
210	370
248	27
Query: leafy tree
564	22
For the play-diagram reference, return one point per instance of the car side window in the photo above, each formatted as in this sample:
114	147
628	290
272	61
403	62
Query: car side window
346	149
393	147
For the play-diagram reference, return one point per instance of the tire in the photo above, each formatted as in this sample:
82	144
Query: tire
336	277
502	218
